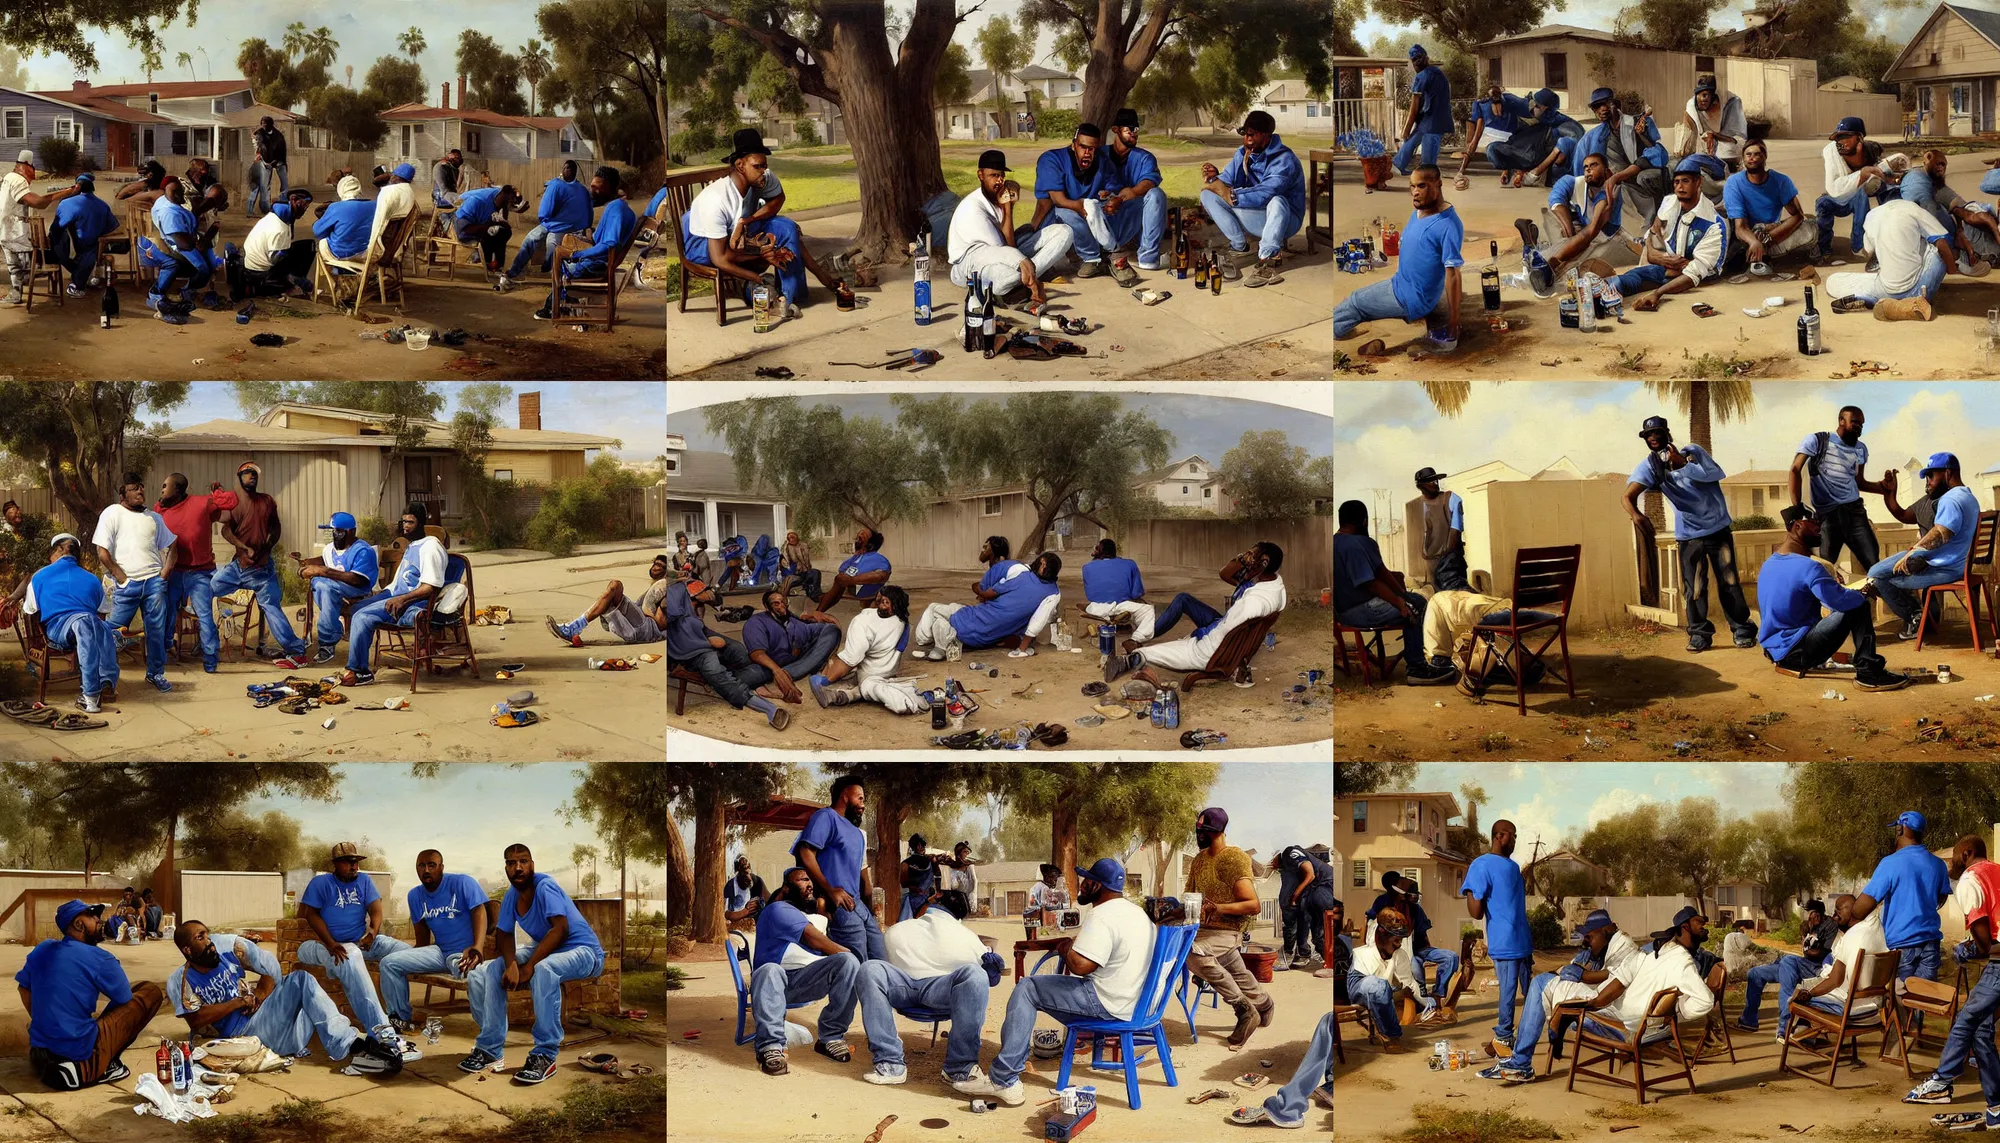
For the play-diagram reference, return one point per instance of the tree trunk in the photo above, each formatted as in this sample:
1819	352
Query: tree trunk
680	878
1118	58
166	886
1698	420
888	871
711	838
1062	842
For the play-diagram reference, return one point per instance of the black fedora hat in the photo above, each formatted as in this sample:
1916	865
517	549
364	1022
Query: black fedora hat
747	141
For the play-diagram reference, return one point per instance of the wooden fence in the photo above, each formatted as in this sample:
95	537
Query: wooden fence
33	501
304	167
1208	544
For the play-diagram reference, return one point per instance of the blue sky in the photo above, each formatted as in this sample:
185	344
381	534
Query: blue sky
1603	14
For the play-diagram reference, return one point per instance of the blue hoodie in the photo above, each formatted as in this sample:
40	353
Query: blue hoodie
687	636
1261	176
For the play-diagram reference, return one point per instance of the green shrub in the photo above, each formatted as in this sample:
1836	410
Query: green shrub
1789	932
1058	124
59	156
584	509
808	134
375	530
1471	929
1545	927
1748	523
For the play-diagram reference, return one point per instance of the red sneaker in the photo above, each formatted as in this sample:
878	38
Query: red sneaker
288	664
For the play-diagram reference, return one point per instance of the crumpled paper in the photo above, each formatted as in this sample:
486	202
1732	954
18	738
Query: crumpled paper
156	1099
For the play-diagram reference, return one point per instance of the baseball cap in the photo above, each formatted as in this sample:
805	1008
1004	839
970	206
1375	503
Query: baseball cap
87	177
1598	919
405	171
1214	817
344	849
1688	166
1107	872
1912	819
1602	95
1705	83
70	910
27	155
1426	474
1687	913
1939	460
1417	50
993	160
1849	125
1547	98
341	520
1258	121
59	537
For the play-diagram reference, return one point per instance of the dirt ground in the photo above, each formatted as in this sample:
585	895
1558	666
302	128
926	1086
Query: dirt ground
715	1091
1254	717
585	714
431	1097
65	342
1671	341
1749	1099
1640	696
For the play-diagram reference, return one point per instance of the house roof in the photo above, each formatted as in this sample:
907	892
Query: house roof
1987	24
1037	71
1760	476
713	473
249	116
225	433
189	90
1161	472
1285	91
479	115
1555	31
91	105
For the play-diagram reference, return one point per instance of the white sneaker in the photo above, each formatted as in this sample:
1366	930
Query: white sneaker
878	1076
1013	1095
89	704
505	285
974	1084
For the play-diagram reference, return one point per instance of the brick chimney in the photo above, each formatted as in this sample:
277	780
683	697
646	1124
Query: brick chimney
461	93
79	87
530	405
444	95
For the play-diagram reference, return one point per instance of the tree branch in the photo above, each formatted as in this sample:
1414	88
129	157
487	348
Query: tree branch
1142	50
793	54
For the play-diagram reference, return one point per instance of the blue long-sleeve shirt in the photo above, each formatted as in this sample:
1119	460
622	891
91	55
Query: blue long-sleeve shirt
687	636
345	227
565	208
1261	176
618	224
477	205
86	215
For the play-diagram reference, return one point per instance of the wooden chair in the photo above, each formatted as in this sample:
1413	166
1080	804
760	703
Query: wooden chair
1544	580
1937	1001
1872	976
687	677
1368	653
1659	1013
42	266
1715	1038
42	657
681	189
108	268
442	248
311	615
138	224
1237	649
1346	1014
324	277
428	641
385	268
1972	588
575	290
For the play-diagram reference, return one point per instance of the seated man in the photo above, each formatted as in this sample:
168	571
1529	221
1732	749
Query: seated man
1021	606
1854	176
1047	899
1258	592
1715	123
721	661
70	1044
285	1011
1132	208
732	564
1114	591
1605	952
1792	586
1449	618
1940	554
721	229
833	973
934	962
343	229
796	563
559	946
985	247
1401	894
565	209
123	915
344	911
80	221
347	570
743	896
1763	209
630	621
1827	991
997	553
784	648
866	572
1070	189
869	653
1683	248
1818	934
276	261
1972	226
1494	121
1618	1008
481	216
451	915
1106	966
1740	953
1367	594
68	599
1582	218
176	254
615	227
1261	192
420	576
150	914
1380	973
394	204
151	183
1427	285
1978	896
1546	142
1631	150
208	198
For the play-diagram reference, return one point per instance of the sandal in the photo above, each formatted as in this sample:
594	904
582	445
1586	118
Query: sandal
1093	689
835	1050
772	1060
1211	1093
1252	1116
41	716
963	740
78	722
1849	305
514	718
1251	1080
15	708
603	1062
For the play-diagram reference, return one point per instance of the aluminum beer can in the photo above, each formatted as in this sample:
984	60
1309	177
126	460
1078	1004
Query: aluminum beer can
1107	639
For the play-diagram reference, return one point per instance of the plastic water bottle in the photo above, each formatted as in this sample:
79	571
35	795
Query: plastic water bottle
180	1064
923	274
1173	710
1159	712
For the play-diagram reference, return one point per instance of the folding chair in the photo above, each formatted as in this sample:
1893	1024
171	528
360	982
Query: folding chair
1234	653
1659	1013
42	266
1937	1001
385	268
1970	589
1544	580
681	189
1872	976
1147	1027
739	971
574	291
431	638
41	657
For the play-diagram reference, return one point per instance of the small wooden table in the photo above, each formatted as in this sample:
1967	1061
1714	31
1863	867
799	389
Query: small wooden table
1314	159
1023	947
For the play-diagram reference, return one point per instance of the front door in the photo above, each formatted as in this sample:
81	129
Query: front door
1961	109
1016	903
422	484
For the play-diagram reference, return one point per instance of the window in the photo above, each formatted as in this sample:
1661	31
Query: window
1312	111
1958	51
420	128
673	464
14	123
1410	816
726	522
1360	874
1961	99
218	106
65	128
179	143
472	141
989	506
1726	895
147	149
405	152
1361	817
1555	70
1138	881
503	474
1410	875
305	137
96	133
1493	69
566	146
1074	87
1184	490
1756	500
1207	493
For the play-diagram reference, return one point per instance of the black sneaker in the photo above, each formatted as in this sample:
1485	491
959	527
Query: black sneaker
117	1071
1909	630
1877	679
543	314
1429	675
1746	640
321	657
478	1061
538	1068
1697	646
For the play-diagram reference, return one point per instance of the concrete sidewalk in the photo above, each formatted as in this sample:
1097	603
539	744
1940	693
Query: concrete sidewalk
1127	339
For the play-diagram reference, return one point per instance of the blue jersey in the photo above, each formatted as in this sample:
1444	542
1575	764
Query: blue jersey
1057	170
1137	166
984	624
64	979
999	571
345	227
1112	580
448	911
359	557
841	846
342	905
548	901
477	206
565	208
865	563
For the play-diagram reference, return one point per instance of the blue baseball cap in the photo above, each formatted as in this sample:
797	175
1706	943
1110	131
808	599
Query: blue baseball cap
70	910
87	177
1598	919
1849	125
1911	819
1689	166
1417	50
341	520
1548	98
1938	460
1107	872
405	171
1602	95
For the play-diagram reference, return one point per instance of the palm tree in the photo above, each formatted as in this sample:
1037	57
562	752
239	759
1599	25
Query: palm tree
412	42
150	62
536	64
1448	397
296	38
186	60
321	46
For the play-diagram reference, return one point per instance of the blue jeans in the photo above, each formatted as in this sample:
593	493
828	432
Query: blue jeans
1822	639
296	1010
72	254
1786	974
1429	144
885	988
1972	1035
397	968
146	597
1534	1017
1143	221
1376	301
1827	208
1379	612
353	975
1082	242
534	242
1289	1103
95	643
329	595
1272	224
263	582
791	276
1067	998
1447	967
184	585
1184	604
1374	994
488	998
1512	976
816	654
153	915
1639	278
370	616
774	988
1901	592
856	930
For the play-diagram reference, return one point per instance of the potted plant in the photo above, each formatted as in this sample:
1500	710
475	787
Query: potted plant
1374	156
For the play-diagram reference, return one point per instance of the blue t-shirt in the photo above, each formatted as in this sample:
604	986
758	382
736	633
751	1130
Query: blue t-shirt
170	217
64	979
1008	613
1056	170
479	205
778	925
345	227
191	989
842	848
343	905
1833	477
1355	557
862	563
87	215
1508	118
1909	884
565	208
1918	187
1958	513
1790	590
547	903
1136	167
1112	580
1431	245
998	572
448	911
782	640
62	587
1695	491
1496	880
659	199
1750	202
359	558
1434	91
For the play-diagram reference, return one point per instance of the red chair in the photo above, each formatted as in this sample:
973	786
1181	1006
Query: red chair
1970	588
1544	580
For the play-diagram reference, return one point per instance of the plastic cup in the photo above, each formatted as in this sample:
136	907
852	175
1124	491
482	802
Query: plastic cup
418	339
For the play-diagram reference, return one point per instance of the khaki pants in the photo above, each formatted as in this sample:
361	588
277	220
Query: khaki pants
1218	959
117	1027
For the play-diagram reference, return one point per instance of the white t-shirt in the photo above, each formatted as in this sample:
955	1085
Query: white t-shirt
1897	233
796	954
423	562
975	223
1398	970
137	540
714	211
1645	974
931	945
268	241
870	645
1621	949
1968	894
1864	937
1041	896
1118	937
13	212
1265	598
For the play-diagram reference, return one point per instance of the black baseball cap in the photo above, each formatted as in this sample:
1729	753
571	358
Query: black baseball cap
993	161
1258	121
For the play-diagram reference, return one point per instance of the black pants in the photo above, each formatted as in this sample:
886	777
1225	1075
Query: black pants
297	263
492	242
1846	525
1448	572
1716	551
1830	633
1313	909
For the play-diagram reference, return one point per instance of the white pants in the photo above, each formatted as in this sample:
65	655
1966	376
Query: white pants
934	628
1805	238
1564	991
1141	614
1608	246
1045	613
1175	655
899	698
1000	266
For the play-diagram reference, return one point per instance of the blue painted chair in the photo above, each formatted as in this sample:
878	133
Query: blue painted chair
932	1016
1148	1023
1190	1004
739	959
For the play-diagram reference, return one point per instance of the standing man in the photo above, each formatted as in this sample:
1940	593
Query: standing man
1692	482
344	911
1444	532
70	1044
743	895
1305	894
1940	553
1909	884
1221	873
985	246
1427	285
1130	173
136	549
16	200
560	947
1971	1036
1495	893
919	877
1836	463
347	570
1854	176
1065	179
253	530
1261	194
830	971
1429	120
269	166
1113	590
1763	207
420	576
450	914
1367	594
834	853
